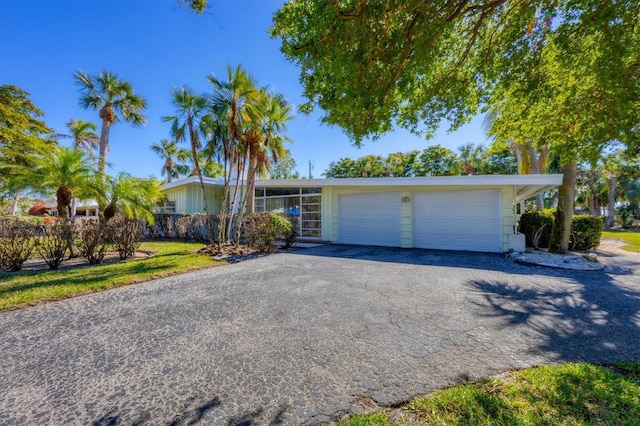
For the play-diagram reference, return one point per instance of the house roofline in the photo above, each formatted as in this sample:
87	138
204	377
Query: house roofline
525	186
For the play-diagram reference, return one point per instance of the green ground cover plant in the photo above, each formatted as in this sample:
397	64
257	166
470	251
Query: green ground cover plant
632	238
569	394
19	289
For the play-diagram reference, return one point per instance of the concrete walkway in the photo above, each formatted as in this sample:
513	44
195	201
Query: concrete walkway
305	337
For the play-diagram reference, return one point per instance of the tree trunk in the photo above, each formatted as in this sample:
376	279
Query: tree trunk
235	205
104	148
14	203
64	198
561	231
205	205
251	180
613	185
535	170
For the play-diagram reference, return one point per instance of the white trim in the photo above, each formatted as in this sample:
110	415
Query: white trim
193	179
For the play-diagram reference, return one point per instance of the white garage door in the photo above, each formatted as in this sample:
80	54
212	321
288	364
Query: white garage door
370	219
464	220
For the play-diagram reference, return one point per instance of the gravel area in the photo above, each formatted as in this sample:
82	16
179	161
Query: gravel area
306	337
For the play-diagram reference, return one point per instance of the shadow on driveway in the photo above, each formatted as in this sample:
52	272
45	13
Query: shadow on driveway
587	316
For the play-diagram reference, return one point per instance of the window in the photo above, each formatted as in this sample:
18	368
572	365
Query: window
305	203
169	207
274	192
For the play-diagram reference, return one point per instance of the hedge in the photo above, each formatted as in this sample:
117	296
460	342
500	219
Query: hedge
585	230
537	224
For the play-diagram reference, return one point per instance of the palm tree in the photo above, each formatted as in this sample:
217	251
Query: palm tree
84	136
135	198
115	100
206	162
267	118
169	152
472	158
228	104
65	171
189	109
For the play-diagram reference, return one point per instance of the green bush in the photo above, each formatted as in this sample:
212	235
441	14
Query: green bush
126	235
52	243
91	240
262	229
16	243
290	237
585	232
585	229
29	220
627	214
536	226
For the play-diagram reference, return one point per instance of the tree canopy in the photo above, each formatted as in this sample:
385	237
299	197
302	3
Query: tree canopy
372	66
22	132
21	127
434	160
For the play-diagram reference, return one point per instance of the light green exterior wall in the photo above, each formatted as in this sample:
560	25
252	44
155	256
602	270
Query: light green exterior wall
330	209
508	216
188	198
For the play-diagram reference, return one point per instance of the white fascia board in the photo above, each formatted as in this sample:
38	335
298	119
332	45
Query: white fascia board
193	179
526	186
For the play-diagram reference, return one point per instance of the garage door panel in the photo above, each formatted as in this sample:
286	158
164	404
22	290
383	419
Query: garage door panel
461	228
370	219
463	220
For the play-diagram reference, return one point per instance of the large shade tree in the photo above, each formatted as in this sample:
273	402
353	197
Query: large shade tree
372	66
115	100
22	132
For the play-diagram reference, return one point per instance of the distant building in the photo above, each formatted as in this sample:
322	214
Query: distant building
86	208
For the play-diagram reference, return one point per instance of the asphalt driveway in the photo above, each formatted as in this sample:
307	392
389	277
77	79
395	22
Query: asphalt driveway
306	337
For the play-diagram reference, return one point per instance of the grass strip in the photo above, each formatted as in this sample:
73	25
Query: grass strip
19	289
570	394
632	238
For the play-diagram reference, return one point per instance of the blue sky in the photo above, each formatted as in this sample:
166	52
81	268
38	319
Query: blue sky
157	46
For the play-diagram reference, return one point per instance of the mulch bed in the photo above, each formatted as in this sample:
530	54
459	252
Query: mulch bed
230	252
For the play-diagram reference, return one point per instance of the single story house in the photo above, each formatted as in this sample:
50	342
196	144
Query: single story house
475	213
83	208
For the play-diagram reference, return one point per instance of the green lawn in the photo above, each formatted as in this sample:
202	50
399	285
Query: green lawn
18	289
571	394
632	238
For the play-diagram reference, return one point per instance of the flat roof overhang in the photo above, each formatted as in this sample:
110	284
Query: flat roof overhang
525	186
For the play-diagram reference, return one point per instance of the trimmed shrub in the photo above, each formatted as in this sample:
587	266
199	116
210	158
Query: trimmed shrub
585	232
16	243
188	227
288	238
262	229
126	235
92	245
536	226
52	243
